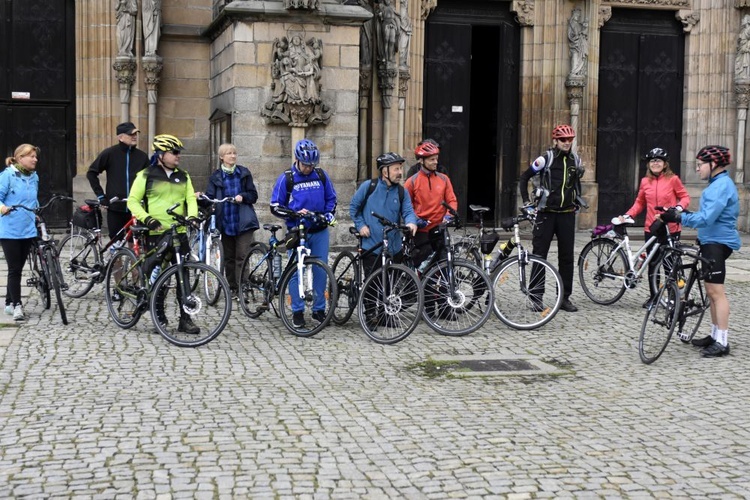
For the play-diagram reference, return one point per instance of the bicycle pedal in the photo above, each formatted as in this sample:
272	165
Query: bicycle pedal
683	336
263	307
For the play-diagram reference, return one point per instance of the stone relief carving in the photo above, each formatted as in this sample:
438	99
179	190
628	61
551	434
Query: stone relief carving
742	58
605	14
427	6
125	75
125	12
151	26
405	36
578	36
524	10
365	38
301	4
688	18
295	71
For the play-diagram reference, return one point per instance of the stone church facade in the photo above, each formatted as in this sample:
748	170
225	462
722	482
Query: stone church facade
360	78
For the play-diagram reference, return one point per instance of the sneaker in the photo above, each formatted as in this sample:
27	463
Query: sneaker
116	297
9	309
187	326
715	350
567	305
298	319
18	314
319	316
704	342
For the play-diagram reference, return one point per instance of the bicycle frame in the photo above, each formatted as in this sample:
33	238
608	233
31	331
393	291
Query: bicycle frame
650	246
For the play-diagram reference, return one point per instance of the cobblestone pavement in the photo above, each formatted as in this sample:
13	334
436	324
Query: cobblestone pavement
92	411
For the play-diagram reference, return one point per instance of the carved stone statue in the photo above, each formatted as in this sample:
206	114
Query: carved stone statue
405	36
151	26
125	12
365	39
742	59
388	32
579	44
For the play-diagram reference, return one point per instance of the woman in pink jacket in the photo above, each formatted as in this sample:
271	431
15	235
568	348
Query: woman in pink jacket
659	188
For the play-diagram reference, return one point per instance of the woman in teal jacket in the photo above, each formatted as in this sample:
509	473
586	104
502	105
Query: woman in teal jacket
19	185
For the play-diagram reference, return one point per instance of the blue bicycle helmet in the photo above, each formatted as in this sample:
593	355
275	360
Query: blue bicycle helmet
307	152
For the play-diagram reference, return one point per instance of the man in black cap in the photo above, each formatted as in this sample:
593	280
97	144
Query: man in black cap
121	162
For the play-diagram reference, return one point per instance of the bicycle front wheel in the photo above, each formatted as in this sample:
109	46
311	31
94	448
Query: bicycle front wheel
345	273
124	289
39	277
55	279
528	292
215	259
390	304
189	321
602	271
307	299
256	286
464	311
659	323
78	261
694	303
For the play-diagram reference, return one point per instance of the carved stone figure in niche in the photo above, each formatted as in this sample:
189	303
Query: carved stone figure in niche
405	36
125	12
365	38
388	31
151	26
742	59
579	44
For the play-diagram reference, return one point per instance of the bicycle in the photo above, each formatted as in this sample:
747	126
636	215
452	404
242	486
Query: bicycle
607	266
44	263
478	247
135	284
84	257
262	279
680	303
206	247
389	300
458	294
528	289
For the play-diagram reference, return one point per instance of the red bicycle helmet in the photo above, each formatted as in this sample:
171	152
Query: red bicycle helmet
563	132
425	149
720	155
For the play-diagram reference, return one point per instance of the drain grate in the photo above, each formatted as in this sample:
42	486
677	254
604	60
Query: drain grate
498	364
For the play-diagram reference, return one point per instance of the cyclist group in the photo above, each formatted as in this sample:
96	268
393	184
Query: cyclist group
146	187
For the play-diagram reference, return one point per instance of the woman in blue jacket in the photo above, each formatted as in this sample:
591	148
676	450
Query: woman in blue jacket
716	222
19	185
236	222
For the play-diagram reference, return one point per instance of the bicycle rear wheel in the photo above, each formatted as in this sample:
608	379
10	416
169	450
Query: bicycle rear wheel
390	304
694	303
189	321
659	323
601	271
345	272
78	263
467	250
215	259
528	292
469	307
318	298
54	275
256	286
124	289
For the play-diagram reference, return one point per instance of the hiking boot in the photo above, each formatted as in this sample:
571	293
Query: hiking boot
187	326
715	350
319	316
567	305
9	309
704	342
18	314
298	319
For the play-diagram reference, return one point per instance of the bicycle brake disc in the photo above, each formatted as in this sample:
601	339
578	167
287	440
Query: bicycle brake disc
192	305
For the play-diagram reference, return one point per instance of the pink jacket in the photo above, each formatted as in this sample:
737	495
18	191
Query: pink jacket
659	192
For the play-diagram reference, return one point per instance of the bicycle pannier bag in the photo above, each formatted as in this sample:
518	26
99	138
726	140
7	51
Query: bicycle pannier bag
488	242
86	217
291	240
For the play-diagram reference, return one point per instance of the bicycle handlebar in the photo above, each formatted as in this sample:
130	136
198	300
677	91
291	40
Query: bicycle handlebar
214	201
508	223
42	208
388	223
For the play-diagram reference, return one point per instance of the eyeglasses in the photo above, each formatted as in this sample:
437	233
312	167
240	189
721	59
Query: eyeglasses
134	134
565	139
175	152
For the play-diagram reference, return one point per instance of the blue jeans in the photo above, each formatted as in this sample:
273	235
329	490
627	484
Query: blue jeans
318	244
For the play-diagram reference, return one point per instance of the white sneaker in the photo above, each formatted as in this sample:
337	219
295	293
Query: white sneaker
9	309
18	314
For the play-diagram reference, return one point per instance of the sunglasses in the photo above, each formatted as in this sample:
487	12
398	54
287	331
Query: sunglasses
565	139
175	152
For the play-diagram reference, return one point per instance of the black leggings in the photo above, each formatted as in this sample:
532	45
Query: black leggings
16	252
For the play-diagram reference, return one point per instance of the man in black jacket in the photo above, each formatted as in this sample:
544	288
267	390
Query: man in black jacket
121	162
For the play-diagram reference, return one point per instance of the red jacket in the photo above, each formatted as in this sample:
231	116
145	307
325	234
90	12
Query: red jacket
427	192
659	192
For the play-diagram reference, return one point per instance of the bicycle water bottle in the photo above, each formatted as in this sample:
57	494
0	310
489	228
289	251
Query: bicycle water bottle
43	230
639	263
506	248
425	263
115	246
276	266
154	274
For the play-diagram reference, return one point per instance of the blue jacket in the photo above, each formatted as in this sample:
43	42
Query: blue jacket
716	220
308	192
248	217
383	201
18	189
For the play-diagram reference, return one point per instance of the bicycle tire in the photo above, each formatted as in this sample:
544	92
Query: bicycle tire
215	259
125	292
602	272
693	304
659	323
467	250
55	279
169	313
345	271
389	312
39	277
288	285
77	262
528	294
664	262
256	288
471	306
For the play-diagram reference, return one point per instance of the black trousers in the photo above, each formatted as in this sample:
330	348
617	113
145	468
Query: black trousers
550	225
16	252
655	261
116	221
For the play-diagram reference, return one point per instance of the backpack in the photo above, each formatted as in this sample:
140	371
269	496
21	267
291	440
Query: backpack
541	182
290	181
371	189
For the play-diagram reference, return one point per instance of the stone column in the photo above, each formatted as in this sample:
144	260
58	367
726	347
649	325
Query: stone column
742	93
403	86
152	66
575	96
365	85
125	67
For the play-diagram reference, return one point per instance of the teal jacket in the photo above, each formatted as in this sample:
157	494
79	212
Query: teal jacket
18	189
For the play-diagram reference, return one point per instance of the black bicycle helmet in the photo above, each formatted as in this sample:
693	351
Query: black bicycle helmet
388	159
719	155
657	154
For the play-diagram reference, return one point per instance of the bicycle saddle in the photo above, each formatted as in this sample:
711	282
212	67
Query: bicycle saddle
628	220
478	209
271	227
353	230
